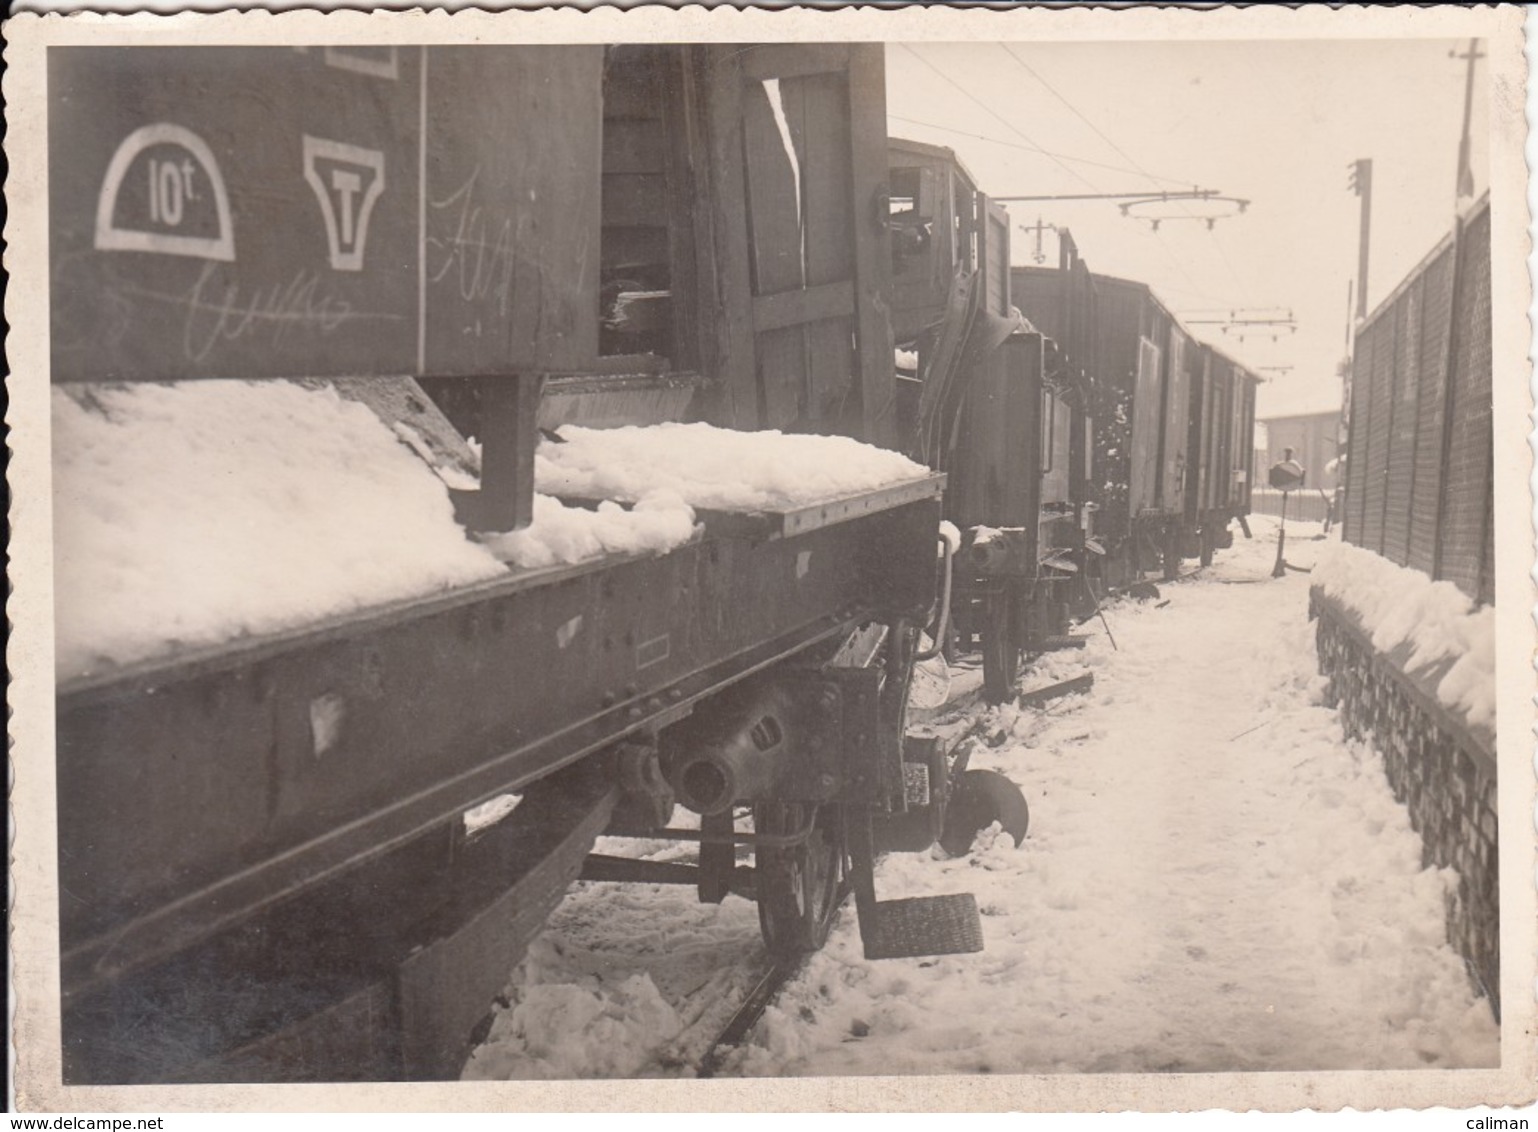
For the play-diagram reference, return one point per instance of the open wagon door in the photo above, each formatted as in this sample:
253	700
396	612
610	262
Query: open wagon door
798	150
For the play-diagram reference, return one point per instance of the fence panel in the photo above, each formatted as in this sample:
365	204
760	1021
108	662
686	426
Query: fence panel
1465	502
1356	442
1405	383
1436	316
1379	377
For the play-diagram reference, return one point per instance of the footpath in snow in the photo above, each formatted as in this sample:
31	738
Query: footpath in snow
1214	880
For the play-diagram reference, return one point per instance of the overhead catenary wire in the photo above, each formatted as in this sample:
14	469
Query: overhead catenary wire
1033	73
991	112
1031	148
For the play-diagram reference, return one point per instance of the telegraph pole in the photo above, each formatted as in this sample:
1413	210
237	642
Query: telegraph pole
1465	169
1361	185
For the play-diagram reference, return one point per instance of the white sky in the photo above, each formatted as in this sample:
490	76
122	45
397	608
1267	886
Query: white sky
1276	122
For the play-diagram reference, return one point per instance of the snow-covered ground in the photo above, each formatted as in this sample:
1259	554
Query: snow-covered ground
1214	880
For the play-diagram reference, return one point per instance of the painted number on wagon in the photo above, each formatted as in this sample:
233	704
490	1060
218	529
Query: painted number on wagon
163	193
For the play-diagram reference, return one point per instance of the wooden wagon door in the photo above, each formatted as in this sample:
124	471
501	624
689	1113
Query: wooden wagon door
798	157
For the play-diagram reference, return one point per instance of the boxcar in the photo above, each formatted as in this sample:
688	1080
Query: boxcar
1222	437
1173	420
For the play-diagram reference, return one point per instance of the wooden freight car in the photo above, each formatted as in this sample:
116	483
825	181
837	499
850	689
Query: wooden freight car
1174	420
1222	446
540	235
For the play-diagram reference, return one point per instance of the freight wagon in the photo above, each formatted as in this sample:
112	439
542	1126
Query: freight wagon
264	871
1173	424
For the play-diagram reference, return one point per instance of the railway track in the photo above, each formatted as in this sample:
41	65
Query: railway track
740	1026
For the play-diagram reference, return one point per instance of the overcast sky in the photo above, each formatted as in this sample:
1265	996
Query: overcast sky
1276	122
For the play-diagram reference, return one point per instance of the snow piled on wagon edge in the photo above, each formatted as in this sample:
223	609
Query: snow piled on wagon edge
1438	620
191	514
715	468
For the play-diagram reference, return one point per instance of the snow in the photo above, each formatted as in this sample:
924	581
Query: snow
190	514
1215	879
659	522
197	513
193	514
715	468
490	812
451	474
584	1027
1399	605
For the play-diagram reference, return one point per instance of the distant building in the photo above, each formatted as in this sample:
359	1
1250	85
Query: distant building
1303	415
1315	442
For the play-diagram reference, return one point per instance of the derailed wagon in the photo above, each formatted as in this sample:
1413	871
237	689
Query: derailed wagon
264	869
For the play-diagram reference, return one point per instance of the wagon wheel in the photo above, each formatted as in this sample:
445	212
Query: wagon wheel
1001	653
798	887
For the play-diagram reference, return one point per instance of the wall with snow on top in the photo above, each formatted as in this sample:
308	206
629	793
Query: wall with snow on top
1398	653
1399	606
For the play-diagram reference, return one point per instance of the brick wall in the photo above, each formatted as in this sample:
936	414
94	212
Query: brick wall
1440	767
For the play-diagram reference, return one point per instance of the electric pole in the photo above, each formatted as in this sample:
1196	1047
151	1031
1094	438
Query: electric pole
1361	185
1465	168
1038	228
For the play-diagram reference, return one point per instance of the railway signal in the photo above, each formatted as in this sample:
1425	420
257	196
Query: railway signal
1286	476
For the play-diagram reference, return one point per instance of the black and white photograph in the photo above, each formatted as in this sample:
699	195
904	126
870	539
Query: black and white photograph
963	553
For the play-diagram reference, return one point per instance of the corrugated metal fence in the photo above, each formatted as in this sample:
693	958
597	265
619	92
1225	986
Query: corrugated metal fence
1420	473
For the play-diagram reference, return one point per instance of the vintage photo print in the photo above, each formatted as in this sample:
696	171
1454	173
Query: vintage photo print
696	559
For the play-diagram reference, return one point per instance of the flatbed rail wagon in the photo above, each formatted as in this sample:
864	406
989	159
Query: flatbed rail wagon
264	869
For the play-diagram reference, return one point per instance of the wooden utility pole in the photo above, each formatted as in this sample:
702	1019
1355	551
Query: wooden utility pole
1361	184
1465	168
